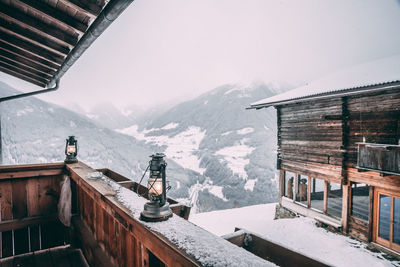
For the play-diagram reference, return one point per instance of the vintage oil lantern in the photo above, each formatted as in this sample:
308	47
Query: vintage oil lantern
71	150
157	186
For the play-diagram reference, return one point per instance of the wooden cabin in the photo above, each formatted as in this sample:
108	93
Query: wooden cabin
339	151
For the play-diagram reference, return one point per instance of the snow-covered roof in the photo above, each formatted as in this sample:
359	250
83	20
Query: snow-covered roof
374	75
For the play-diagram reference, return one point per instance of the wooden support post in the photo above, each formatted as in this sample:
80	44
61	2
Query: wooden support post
1	142
345	207
281	185
309	191
326	196
296	185
371	213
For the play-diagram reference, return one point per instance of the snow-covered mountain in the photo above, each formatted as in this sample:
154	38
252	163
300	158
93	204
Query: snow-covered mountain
219	154
232	149
34	131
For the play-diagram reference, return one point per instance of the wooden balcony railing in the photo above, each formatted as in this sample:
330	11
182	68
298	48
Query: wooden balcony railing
383	158
105	225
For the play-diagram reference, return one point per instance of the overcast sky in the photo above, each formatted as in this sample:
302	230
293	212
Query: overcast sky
169	50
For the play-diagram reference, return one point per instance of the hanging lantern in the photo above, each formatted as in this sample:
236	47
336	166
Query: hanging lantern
71	150
157	186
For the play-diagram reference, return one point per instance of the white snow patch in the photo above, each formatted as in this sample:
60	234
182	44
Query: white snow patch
299	234
24	111
178	184
236	157
245	131
250	184
206	102
204	246
92	116
216	191
132	131
226	133
171	125
180	147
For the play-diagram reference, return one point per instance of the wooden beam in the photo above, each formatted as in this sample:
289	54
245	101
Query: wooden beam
309	191
30	47
345	206
29	174
24	72
372	214
89	6
15	27
22	53
22	60
6	10
22	77
17	224
326	196
25	68
56	14
281	184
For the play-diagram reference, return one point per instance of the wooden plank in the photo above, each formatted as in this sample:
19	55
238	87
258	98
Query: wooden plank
13	224
89	6
29	56
22	77
129	250
26	73
15	27
37	50
19	199
309	191
6	214
25	68
372	213
33	197
47	196
56	14
38	67
326	196
281	184
8	11
345	207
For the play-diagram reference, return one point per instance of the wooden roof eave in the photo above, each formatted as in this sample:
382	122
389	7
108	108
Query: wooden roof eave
39	42
345	92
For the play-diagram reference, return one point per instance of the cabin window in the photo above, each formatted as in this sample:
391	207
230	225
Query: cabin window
335	196
289	184
360	201
301	193
317	194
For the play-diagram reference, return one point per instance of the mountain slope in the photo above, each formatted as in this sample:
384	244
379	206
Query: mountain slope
34	131
232	149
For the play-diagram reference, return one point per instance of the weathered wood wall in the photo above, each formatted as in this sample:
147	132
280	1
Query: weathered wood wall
318	137
376	117
310	137
28	201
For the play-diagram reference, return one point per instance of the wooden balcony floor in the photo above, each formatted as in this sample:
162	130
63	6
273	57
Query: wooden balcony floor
60	257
